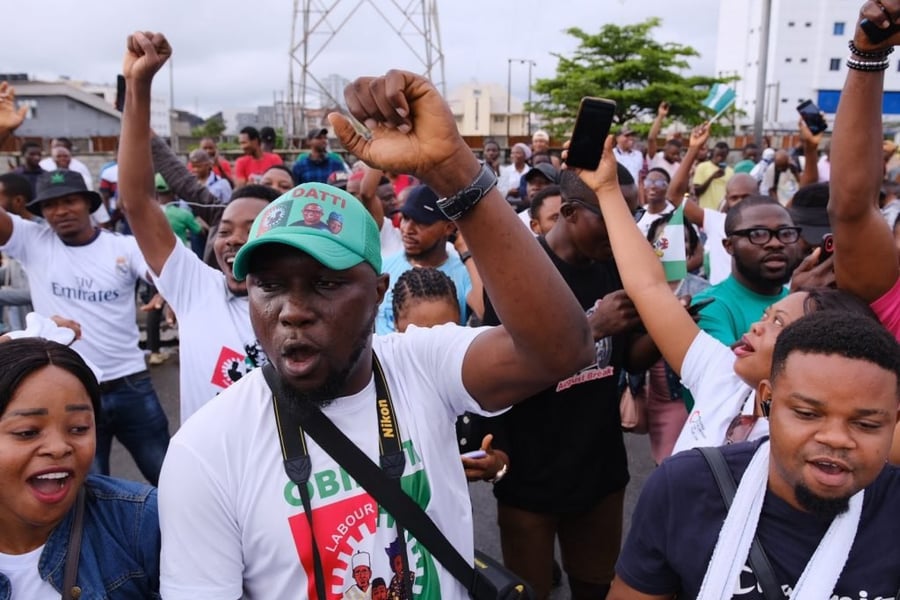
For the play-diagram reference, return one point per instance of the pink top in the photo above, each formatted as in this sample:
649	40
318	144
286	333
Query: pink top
888	309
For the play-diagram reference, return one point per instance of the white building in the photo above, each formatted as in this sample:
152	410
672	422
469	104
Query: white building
480	109
807	55
159	105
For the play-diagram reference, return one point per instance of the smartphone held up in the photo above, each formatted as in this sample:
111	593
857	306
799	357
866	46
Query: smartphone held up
812	116
595	116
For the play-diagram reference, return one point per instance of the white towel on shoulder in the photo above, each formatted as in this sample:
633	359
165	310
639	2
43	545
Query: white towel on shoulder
733	546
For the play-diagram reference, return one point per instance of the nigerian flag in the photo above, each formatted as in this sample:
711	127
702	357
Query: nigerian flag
670	246
720	97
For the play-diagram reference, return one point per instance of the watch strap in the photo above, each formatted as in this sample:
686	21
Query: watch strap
457	205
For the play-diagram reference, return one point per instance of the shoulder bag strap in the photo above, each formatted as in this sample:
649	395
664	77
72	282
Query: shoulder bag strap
388	493
69	590
758	559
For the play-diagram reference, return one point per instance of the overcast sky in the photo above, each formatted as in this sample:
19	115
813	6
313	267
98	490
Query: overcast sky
230	55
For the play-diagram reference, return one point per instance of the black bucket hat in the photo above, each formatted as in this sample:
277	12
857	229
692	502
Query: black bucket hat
59	183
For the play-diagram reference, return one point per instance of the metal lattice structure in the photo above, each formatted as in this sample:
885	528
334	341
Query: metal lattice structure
316	23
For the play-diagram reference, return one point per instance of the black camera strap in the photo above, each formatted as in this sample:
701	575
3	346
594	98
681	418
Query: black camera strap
298	466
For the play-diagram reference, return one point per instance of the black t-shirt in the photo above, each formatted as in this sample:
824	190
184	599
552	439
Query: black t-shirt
678	517
565	444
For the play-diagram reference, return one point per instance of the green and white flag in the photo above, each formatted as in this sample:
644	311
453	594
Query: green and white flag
720	97
670	246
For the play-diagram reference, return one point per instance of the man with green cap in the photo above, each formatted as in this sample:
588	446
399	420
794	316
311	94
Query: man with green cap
232	519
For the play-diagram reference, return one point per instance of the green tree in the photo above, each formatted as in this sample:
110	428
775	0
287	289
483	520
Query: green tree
212	127
627	65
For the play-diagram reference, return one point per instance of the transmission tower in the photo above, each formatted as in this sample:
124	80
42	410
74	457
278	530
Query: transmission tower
317	23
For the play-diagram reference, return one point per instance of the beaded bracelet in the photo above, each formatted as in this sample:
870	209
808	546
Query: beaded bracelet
867	65
875	54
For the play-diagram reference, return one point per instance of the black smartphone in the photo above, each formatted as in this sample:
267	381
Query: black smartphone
697	306
595	116
827	247
812	116
120	93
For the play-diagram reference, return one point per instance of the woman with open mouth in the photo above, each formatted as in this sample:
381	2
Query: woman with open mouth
722	380
63	531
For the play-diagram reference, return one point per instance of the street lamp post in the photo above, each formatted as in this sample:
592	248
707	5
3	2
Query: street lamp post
509	62
508	97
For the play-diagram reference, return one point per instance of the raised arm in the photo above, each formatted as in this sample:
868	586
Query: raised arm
810	143
10	119
680	184
865	260
413	131
367	194
144	55
642	274
661	114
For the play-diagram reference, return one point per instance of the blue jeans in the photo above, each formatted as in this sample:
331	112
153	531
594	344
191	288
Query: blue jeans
131	412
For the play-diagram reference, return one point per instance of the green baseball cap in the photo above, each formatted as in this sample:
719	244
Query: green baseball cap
327	223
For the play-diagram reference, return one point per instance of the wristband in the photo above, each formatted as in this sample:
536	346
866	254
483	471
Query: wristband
457	205
867	65
465	256
873	54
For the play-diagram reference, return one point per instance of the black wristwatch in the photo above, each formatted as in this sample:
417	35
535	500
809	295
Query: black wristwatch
461	202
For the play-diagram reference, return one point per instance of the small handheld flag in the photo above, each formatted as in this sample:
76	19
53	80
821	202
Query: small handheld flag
670	247
719	99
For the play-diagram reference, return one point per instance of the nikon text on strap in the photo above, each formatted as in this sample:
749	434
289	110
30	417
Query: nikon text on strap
298	465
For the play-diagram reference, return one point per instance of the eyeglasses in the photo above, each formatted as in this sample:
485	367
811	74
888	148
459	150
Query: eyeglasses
760	236
739	429
657	183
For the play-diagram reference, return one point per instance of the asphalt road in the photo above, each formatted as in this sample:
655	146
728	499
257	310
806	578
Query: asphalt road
165	379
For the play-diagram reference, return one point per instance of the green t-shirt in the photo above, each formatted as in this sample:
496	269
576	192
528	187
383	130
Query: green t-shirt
182	222
736	308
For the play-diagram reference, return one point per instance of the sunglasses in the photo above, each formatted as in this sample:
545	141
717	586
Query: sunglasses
657	183
739	429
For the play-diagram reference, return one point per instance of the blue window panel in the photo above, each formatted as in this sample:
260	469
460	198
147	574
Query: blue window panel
828	102
839	28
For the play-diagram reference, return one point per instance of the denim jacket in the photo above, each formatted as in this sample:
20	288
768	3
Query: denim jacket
120	543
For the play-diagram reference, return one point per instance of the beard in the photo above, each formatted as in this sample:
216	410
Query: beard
756	274
300	402
822	508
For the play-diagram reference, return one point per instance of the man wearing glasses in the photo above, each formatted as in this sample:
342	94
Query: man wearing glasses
762	240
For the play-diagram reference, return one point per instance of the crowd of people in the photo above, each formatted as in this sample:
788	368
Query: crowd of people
493	320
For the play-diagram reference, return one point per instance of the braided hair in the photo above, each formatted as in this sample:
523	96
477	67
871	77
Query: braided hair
421	283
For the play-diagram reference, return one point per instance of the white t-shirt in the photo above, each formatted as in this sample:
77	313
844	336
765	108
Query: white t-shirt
391	239
510	178
719	394
233	524
648	218
218	345
631	160
659	162
92	284
24	578
719	259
